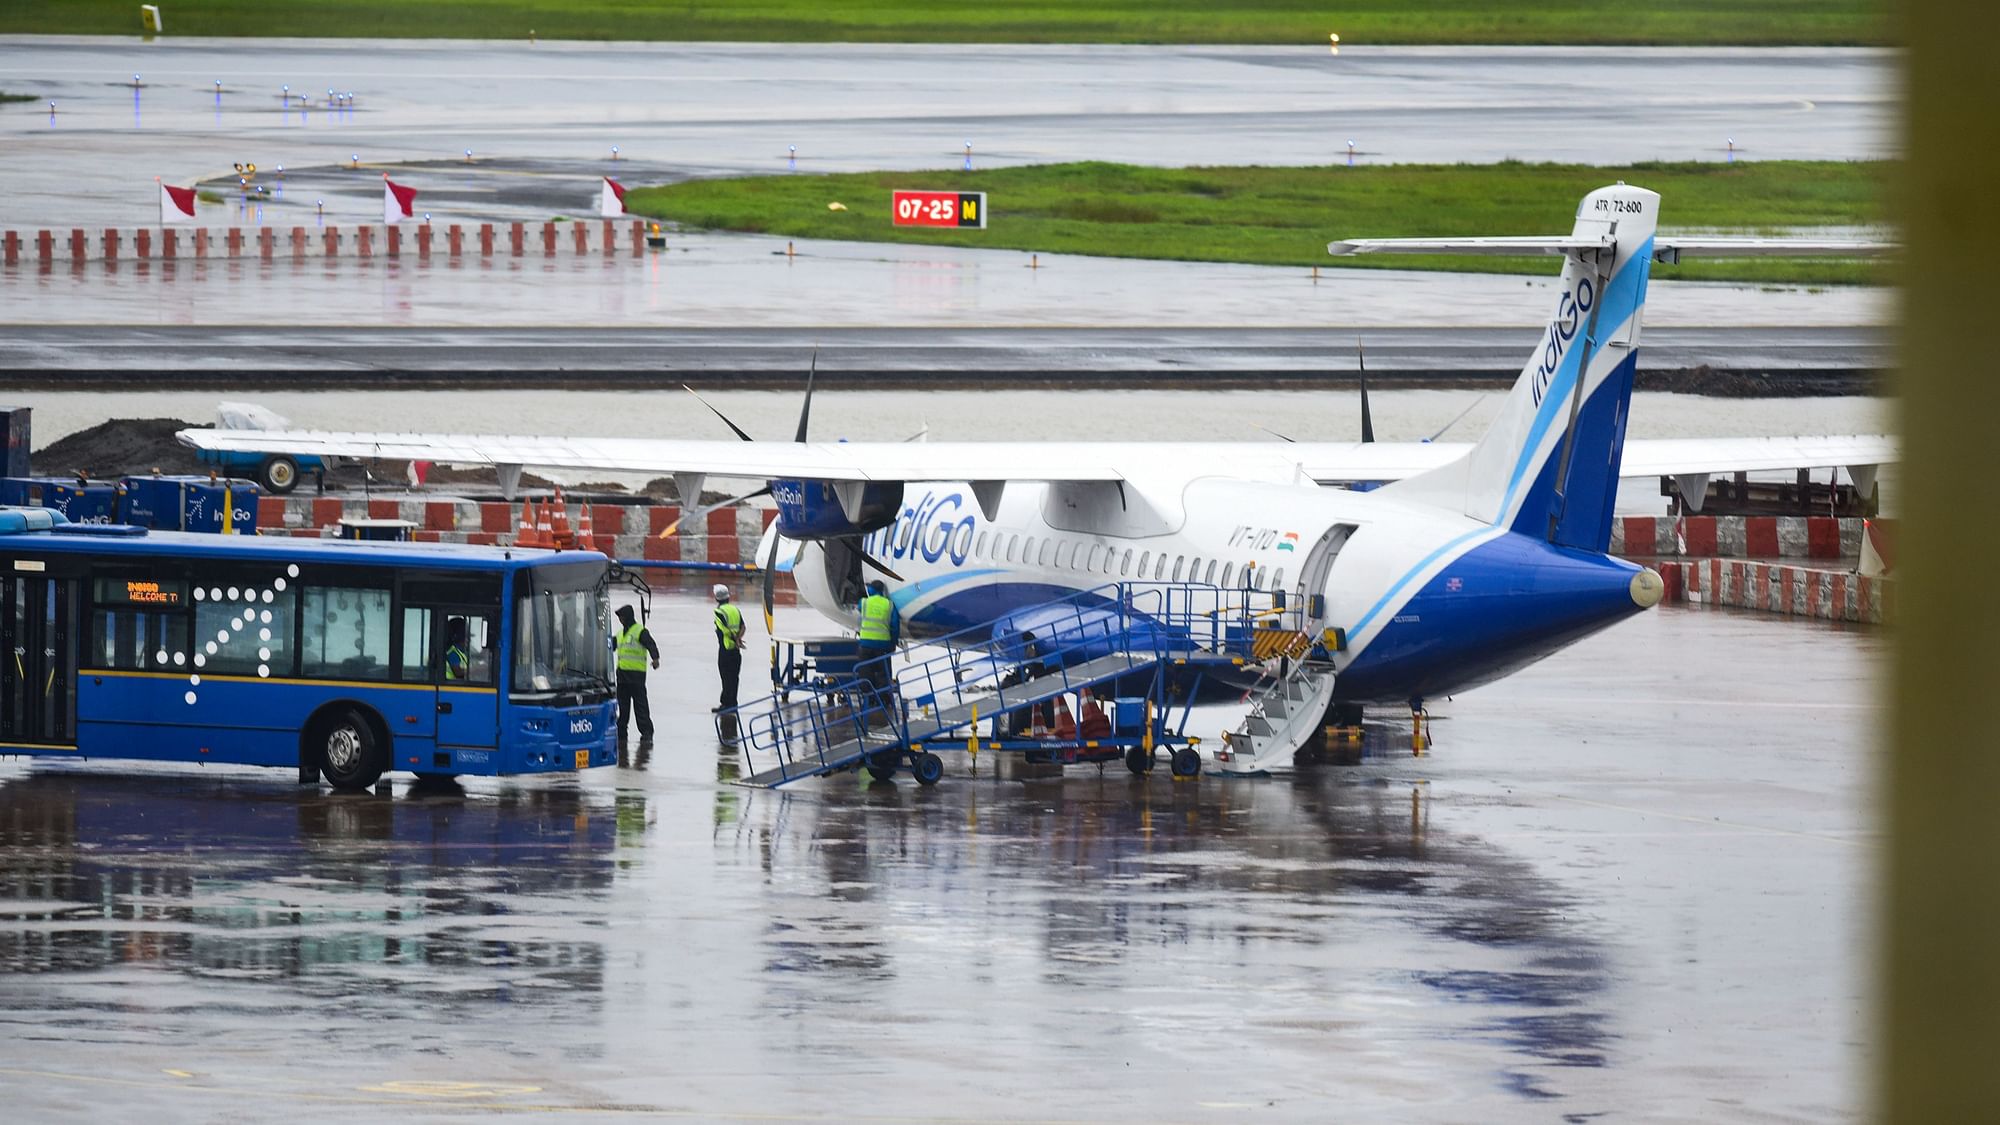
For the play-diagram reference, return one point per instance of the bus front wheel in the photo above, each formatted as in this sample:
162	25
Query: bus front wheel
278	474
351	755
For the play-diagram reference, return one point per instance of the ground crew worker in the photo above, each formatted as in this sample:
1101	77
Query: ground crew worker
728	646
455	659
635	644
877	634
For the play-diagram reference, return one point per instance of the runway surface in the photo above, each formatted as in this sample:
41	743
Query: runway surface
548	115
749	282
1635	879
289	358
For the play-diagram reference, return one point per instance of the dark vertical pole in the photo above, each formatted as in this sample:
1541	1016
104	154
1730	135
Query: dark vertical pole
1941	898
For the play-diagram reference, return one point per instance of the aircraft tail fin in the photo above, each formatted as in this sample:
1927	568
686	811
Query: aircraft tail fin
1548	467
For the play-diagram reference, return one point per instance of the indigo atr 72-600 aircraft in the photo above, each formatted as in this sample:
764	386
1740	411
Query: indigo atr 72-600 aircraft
1471	562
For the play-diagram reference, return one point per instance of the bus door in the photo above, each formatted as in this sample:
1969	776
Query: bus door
38	639
459	658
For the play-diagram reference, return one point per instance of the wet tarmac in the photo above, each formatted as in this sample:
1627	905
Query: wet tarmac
546	116
748	284
1634	880
1824	359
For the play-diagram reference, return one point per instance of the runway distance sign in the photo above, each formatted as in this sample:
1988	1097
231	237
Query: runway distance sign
941	209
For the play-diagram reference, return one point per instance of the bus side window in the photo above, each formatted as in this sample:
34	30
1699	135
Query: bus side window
346	634
250	632
416	664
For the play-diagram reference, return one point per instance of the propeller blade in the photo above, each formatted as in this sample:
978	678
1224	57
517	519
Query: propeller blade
1457	420
1367	418
805	408
691	513
1278	435
717	413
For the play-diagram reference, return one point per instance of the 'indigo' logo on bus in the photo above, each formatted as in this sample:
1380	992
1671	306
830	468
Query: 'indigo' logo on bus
579	726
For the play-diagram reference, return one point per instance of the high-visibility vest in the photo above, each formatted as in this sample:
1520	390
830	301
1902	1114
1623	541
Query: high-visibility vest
729	625
631	654
876	613
454	663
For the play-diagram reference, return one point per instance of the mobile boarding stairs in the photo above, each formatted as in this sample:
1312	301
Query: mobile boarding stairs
1151	644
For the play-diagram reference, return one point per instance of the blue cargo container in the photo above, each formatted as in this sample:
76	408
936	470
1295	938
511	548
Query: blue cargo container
81	501
187	503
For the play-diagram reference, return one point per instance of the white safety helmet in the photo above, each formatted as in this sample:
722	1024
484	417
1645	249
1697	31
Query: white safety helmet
721	592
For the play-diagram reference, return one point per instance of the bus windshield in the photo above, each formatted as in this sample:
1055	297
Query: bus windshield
562	630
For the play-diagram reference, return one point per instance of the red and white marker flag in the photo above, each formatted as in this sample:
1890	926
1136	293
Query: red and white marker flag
611	200
396	201
176	203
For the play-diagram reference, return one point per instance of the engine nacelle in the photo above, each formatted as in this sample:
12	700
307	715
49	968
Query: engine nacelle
811	509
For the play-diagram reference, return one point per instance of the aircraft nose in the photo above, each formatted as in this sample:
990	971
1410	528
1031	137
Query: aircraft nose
1646	588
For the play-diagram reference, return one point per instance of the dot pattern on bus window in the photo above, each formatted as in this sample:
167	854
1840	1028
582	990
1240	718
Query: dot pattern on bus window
250	596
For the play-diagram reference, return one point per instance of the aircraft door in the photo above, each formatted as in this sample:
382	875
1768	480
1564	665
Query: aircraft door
1312	588
843	570
453	648
38	630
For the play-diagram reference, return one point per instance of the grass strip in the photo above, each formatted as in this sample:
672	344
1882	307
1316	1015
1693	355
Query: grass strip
1484	22
1286	216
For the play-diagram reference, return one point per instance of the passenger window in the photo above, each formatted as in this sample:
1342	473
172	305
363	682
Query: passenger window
1048	552
1178	560
136	639
1013	547
466	660
1064	549
1028	550
250	634
904	530
1211	572
962	545
1194	569
980	550
1160	567
1125	564
1226	568
416	663
1144	557
1096	550
345	634
1278	579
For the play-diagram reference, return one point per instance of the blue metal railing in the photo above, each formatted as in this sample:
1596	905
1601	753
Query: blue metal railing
988	670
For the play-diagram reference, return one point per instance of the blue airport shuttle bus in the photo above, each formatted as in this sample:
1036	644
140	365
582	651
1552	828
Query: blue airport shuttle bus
345	660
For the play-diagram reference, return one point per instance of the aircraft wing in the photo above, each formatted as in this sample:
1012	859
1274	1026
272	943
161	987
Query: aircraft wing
1685	456
1019	461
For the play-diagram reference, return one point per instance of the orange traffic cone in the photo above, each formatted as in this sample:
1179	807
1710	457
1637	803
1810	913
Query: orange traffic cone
560	535
1092	722
545	535
1065	724
586	535
525	537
